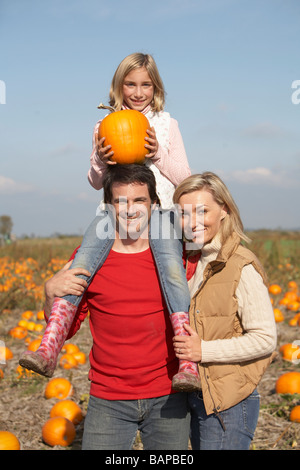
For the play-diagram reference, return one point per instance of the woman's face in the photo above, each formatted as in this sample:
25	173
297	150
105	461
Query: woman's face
138	89
201	216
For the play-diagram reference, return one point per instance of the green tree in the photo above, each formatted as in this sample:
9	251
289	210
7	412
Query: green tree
6	225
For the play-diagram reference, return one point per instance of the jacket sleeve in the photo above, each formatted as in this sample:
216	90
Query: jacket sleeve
173	162
97	168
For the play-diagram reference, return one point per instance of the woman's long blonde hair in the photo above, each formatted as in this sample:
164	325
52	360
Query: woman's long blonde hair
132	62
212	183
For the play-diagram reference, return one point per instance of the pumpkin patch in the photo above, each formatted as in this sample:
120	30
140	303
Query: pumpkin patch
28	401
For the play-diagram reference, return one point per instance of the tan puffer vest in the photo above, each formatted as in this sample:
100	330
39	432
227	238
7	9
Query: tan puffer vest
213	314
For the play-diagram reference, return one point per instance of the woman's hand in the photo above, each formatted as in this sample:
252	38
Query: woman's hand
188	347
152	145
104	154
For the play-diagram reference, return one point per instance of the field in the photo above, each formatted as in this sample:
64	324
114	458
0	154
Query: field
24	267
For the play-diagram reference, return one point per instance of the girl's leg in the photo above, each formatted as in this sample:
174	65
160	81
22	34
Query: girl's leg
94	249
166	245
236	431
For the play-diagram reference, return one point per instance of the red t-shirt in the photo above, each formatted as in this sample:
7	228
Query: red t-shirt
132	355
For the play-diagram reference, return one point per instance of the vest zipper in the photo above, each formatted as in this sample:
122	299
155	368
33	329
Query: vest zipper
216	412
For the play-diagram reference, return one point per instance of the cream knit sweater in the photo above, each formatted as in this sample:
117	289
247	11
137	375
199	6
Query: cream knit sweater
254	309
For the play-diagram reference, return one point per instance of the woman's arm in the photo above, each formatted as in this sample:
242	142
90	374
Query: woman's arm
257	318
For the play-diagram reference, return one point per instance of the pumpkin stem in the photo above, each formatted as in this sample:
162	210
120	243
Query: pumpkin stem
102	106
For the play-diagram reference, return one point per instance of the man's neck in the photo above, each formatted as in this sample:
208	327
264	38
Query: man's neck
128	245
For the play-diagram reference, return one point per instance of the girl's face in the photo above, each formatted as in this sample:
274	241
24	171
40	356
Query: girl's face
138	89
201	216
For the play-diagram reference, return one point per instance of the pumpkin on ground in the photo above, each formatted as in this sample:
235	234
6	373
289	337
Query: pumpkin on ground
8	441
80	357
58	387
290	351
295	414
67	409
125	131
5	353
288	383
70	348
278	315
274	289
58	431
67	361
18	332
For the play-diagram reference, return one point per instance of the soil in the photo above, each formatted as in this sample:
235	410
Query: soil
24	409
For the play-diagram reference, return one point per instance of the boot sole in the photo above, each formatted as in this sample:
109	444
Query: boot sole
36	365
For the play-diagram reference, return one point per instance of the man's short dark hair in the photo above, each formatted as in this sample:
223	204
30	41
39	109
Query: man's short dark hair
129	174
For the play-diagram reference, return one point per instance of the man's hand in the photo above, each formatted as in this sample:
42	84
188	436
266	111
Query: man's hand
64	282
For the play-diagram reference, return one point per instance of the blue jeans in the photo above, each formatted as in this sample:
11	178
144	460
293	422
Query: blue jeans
164	423
166	245
240	422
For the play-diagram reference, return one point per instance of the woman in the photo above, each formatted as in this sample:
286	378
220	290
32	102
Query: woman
232	334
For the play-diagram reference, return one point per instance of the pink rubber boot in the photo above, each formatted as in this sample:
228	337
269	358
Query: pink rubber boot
187	379
43	361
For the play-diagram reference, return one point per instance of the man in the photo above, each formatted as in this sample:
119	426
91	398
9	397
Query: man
132	357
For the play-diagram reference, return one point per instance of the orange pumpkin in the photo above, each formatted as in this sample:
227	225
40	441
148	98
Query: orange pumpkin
293	306
125	131
27	314
67	361
291	296
68	409
70	348
288	383
58	431
40	315
274	289
5	353
294	321
34	344
278	315
8	441
290	352
80	357
18	332
292	285
58	387
295	414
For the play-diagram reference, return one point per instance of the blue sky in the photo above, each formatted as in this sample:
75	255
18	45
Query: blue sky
227	66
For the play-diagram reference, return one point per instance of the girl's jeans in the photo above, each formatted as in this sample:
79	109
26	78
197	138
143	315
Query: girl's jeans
166	245
239	421
164	423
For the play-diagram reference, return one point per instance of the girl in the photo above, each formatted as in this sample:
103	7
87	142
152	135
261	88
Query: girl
234	332
136	85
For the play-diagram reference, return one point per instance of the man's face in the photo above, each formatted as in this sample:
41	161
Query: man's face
132	206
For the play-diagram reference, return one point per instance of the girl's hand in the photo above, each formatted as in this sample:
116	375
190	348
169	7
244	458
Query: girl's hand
188	347
104	153
152	143
65	282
